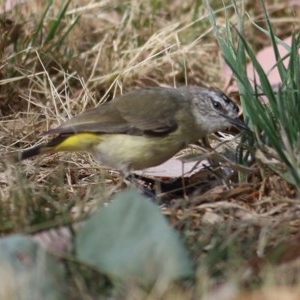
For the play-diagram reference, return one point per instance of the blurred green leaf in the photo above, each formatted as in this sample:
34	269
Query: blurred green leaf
28	272
130	239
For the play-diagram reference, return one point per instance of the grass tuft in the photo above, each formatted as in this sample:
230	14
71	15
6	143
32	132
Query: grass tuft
275	124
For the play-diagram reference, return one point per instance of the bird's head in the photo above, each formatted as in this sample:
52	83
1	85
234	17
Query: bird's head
213	110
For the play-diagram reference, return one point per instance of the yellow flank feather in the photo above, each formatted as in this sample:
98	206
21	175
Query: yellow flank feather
78	142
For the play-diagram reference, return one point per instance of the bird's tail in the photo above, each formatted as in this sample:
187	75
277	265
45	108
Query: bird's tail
33	151
27	153
42	148
64	142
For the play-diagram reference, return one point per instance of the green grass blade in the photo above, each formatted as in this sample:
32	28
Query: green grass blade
55	23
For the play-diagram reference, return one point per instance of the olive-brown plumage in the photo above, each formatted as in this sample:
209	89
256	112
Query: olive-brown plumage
144	127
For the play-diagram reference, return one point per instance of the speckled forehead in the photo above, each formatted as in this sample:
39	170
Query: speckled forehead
213	94
218	94
225	98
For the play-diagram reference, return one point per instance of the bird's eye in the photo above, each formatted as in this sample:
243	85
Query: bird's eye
217	105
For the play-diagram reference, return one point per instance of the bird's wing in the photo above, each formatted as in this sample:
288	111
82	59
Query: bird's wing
100	119
151	109
144	111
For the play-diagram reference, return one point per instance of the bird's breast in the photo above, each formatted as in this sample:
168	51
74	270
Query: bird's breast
128	152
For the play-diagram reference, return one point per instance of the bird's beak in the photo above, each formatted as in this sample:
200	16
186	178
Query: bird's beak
238	123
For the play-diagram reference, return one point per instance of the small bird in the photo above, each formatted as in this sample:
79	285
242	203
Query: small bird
144	127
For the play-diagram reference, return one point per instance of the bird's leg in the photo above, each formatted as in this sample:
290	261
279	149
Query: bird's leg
142	185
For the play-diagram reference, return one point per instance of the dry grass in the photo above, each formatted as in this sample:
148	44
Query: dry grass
116	46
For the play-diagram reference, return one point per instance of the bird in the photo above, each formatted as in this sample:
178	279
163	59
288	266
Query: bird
144	127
